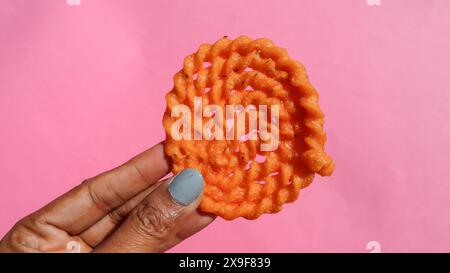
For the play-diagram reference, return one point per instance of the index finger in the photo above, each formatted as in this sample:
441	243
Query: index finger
87	203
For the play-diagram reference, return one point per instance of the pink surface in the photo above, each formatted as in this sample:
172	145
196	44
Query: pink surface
82	90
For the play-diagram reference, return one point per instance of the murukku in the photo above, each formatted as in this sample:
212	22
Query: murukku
241	180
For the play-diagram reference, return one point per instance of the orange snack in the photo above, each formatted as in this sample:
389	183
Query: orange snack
240	179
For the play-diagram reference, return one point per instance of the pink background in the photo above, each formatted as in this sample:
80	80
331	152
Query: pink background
82	90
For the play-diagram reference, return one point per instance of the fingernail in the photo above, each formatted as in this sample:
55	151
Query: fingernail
186	186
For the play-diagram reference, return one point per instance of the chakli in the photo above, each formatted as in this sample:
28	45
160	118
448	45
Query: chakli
240	179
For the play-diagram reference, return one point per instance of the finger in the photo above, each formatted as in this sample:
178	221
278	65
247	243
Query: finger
109	223
198	221
86	204
154	225
94	235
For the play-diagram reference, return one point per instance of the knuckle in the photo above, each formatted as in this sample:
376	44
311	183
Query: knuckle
27	235
97	199
105	196
85	181
20	238
117	216
154	221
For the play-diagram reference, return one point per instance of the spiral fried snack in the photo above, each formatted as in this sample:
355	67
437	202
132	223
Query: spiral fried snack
241	180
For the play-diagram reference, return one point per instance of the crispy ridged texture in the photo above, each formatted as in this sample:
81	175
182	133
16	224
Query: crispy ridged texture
233	186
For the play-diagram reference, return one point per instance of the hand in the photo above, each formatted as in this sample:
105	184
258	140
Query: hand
126	209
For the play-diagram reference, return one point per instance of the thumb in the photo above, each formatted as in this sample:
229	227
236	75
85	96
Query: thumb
154	224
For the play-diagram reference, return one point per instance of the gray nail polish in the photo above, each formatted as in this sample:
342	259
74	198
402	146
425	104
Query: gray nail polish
186	186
